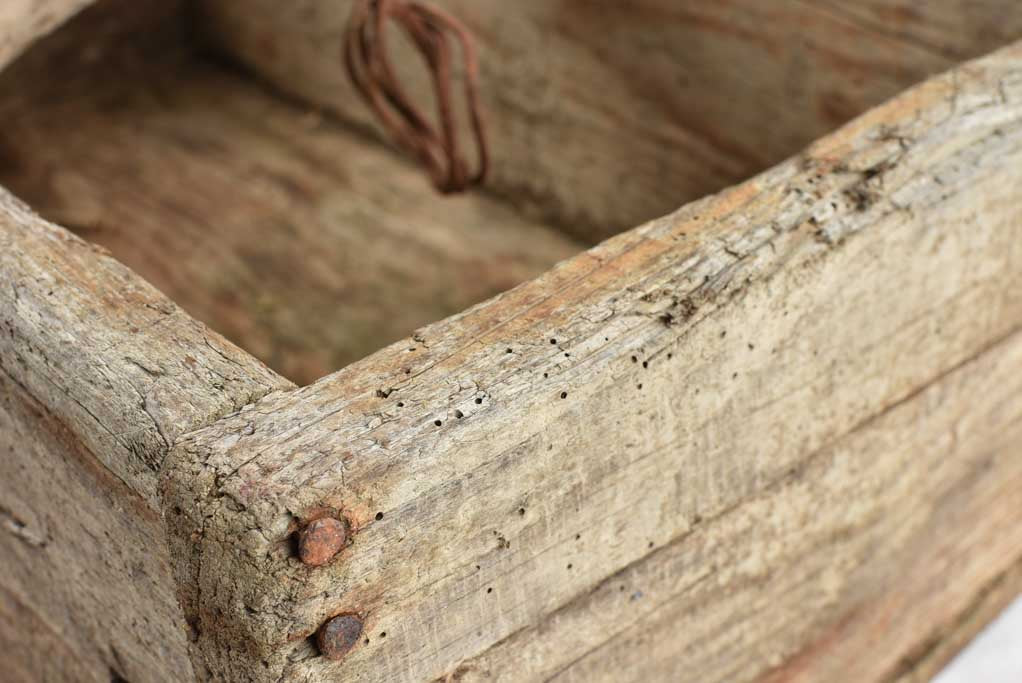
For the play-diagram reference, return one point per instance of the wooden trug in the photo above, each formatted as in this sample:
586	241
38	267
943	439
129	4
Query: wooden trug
774	435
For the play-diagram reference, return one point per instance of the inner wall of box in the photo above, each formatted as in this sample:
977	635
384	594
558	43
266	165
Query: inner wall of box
305	243
239	173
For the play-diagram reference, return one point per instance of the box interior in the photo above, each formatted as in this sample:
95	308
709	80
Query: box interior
299	233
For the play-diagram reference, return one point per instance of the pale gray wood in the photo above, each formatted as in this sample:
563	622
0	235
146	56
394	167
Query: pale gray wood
754	358
86	592
789	418
122	366
851	569
971	627
99	374
604	114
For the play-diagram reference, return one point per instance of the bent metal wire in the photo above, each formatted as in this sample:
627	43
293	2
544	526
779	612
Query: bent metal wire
369	67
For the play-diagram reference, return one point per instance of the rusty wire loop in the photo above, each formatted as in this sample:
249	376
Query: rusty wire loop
370	70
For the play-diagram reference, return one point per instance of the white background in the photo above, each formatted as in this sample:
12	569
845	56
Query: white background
995	656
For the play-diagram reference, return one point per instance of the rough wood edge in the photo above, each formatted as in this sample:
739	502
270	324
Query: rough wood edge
930	587
85	575
119	364
346	443
935	653
24	21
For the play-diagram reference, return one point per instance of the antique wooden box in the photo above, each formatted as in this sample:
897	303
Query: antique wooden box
772	435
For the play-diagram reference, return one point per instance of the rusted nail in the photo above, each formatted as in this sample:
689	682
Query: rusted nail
320	540
338	635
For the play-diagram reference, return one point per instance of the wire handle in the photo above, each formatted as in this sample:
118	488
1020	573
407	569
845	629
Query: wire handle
430	30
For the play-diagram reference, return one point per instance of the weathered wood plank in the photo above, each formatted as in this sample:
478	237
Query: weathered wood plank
86	592
24	21
683	98
937	653
305	245
124	368
955	28
99	374
512	458
932	487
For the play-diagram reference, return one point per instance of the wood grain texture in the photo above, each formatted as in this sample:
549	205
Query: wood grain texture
989	603
86	592
303	244
729	385
24	21
852	592
684	99
99	374
955	28
124	368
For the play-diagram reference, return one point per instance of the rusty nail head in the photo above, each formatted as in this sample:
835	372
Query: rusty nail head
338	635
320	540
